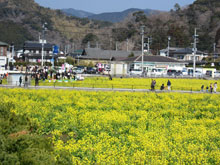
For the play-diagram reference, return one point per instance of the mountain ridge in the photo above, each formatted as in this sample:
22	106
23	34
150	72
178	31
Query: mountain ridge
108	16
77	13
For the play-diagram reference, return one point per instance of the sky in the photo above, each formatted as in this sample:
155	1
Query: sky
100	6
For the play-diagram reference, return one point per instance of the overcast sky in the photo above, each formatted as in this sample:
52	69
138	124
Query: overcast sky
100	6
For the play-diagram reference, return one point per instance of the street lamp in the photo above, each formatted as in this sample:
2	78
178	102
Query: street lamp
42	52
168	51
142	49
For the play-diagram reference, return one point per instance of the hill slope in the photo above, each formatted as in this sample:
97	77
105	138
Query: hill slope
77	13
120	16
110	17
28	16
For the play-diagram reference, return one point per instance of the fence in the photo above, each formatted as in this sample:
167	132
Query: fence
77	84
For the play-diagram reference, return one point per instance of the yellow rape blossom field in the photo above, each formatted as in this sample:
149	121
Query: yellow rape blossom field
134	83
124	127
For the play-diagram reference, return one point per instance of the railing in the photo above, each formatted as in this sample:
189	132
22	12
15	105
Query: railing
75	84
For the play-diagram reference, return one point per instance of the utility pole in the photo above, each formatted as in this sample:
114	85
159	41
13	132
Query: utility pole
149	40
127	44
116	46
88	44
142	50
214	53
168	48
194	52
42	52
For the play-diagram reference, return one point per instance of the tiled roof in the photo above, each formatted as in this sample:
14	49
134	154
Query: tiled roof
37	45
152	59
174	50
96	53
3	44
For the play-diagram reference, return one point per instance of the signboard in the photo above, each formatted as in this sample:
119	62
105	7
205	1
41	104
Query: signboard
55	49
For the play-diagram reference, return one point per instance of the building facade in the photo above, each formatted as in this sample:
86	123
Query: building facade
183	54
3	54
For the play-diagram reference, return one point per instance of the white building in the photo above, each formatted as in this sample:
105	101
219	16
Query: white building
149	64
184	54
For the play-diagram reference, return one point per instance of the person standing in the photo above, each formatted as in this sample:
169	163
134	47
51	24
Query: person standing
211	88
202	88
26	81
36	80
168	85
162	87
207	89
215	87
20	80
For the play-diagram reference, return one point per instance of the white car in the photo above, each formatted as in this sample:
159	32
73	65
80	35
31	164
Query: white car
198	73
136	72
157	72
216	74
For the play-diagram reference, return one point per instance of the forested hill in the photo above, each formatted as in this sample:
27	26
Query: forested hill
110	16
179	23
22	20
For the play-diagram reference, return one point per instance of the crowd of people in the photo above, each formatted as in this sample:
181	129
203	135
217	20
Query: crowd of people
163	87
211	88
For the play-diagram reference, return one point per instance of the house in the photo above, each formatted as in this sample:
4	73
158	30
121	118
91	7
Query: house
184	54
123	67
77	53
97	55
3	54
32	52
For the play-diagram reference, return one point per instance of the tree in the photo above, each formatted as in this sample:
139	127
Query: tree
89	37
140	17
177	7
70	60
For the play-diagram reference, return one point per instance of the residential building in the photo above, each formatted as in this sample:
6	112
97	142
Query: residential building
97	55
183	54
32	52
3	54
149	63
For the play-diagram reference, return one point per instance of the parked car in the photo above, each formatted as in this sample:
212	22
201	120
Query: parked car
208	73
91	70
136	72
198	73
106	71
172	72
78	71
157	72
217	74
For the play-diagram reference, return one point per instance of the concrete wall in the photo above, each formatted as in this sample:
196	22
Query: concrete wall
119	69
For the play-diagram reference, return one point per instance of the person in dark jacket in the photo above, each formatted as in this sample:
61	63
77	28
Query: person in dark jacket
20	80
169	85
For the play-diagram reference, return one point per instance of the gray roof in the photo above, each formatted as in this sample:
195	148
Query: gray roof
97	53
36	45
152	59
3	44
177	51
186	51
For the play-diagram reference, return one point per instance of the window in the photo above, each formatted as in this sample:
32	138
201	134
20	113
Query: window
1	51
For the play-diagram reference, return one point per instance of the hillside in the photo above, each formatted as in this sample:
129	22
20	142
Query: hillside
22	20
110	17
77	13
179	23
